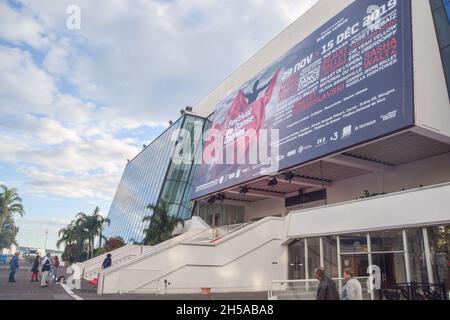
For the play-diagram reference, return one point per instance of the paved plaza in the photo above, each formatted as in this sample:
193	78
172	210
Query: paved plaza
24	289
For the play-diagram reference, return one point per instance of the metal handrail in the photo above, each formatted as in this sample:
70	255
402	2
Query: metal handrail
114	263
306	281
216	232
413	291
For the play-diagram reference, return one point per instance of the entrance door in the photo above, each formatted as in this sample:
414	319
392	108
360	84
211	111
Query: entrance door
297	260
392	266
388	253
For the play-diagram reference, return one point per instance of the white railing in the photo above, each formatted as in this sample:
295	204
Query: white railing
233	232
108	279
212	234
154	250
94	273
93	266
306	289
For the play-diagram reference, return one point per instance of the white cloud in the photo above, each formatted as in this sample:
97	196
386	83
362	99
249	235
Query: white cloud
97	186
150	58
24	86
56	60
21	29
132	64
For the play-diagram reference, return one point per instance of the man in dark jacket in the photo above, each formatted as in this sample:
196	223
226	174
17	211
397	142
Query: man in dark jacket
107	262
327	288
13	266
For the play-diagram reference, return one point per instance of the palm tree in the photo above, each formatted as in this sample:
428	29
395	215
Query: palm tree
74	237
82	232
8	233
68	235
10	204
92	225
161	224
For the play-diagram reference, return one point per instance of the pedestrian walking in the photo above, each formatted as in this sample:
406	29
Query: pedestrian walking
46	266
35	269
107	262
13	266
74	280
55	268
51	273
327	288
352	289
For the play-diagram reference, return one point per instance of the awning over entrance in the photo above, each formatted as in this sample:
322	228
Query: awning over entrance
418	207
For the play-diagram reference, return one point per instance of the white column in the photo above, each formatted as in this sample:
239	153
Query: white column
369	249
306	265
339	261
322	258
284	263
428	256
306	260
406	249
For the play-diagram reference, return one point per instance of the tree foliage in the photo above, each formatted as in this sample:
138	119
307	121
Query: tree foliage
10	205
113	243
161	224
79	236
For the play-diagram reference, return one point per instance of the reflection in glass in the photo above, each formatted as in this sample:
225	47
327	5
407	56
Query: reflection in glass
354	243
221	214
297	260
386	240
330	258
439	238
392	266
313	256
417	258
150	177
357	262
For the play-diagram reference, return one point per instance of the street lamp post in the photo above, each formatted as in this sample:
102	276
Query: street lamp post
45	245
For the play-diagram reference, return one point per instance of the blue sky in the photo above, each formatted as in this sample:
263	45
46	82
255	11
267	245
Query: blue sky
75	104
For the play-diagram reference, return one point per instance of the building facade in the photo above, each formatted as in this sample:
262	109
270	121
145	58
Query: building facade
378	200
152	176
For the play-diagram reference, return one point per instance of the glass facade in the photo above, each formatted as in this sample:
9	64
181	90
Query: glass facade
415	255
219	215
439	238
155	175
178	183
441	17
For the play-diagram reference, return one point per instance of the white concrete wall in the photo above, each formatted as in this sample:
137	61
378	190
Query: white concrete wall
252	272
432	106
408	209
264	208
426	172
247	260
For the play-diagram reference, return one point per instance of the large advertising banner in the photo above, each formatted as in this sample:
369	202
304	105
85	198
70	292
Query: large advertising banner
347	83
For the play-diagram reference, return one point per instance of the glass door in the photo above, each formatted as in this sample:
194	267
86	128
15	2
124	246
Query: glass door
387	252
297	260
392	267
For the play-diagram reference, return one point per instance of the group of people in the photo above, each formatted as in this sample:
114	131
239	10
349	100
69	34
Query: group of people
327	290
47	266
